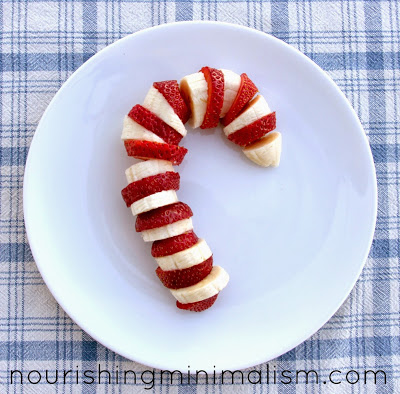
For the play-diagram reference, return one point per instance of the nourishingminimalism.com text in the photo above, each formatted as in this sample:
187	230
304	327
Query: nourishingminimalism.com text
150	378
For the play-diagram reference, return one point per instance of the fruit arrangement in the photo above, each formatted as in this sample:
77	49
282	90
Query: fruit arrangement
152	133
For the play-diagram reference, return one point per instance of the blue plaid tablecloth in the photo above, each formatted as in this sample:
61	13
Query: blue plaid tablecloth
43	42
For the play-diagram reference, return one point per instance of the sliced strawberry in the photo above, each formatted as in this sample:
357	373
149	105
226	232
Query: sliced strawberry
170	91
153	184
176	279
155	150
156	125
199	306
215	83
166	247
254	131
246	92
162	216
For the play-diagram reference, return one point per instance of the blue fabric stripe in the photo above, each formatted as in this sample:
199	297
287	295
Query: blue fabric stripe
183	10
61	62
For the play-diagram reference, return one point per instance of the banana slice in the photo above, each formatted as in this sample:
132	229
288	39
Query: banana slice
170	230
154	201
186	258
231	87
147	168
266	151
156	103
257	108
195	90
212	284
134	131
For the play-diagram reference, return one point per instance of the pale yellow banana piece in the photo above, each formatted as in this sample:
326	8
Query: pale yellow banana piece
231	87
267	151
147	168
156	103
212	284
134	131
194	88
257	109
154	201
186	258
170	230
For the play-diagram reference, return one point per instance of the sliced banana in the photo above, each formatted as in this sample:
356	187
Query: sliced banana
157	103
186	258
267	151
147	168
212	284
154	201
170	230
194	88
231	88
134	131
257	108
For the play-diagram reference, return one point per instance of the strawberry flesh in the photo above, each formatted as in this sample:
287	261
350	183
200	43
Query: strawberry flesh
246	92
155	150
177	279
254	131
153	184
198	306
156	125
170	91
166	247
215	84
163	216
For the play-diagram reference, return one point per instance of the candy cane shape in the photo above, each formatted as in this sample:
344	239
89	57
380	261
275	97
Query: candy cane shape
152	132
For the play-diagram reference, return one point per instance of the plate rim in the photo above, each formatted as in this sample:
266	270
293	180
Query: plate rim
60	299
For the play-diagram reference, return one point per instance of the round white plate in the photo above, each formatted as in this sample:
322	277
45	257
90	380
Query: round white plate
293	239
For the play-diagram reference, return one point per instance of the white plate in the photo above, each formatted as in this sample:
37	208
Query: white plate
293	239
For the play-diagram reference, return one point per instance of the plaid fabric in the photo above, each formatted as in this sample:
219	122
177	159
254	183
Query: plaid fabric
43	42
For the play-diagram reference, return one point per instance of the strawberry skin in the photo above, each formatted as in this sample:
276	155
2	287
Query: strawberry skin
170	91
153	184
156	125
198	306
162	216
215	84
166	247
155	150
246	92
176	279
254	131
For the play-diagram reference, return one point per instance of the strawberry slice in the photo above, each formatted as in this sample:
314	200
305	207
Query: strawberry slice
162	216
246	92
254	131
176	279
156	125
215	84
155	150
166	247
170	91
198	306
153	184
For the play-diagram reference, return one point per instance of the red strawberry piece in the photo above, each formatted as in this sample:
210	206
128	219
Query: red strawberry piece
162	216
155	150
156	125
246	92
176	279
166	247
153	184
170	91
254	131
215	84
198	306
